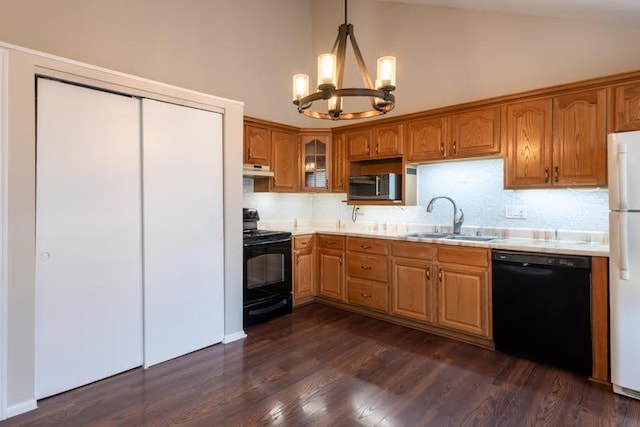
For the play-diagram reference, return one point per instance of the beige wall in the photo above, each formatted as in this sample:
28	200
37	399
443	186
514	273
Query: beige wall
249	49
447	56
239	49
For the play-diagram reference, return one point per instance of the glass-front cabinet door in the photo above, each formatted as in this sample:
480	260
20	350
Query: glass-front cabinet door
315	162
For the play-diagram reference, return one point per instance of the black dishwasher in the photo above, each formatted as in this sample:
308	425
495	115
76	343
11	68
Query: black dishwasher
542	308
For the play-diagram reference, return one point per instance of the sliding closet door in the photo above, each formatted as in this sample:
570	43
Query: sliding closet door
183	231
88	236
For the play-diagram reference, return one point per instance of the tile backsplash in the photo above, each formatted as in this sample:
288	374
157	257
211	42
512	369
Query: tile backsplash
477	188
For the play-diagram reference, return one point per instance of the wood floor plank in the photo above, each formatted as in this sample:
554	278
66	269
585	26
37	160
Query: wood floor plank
322	366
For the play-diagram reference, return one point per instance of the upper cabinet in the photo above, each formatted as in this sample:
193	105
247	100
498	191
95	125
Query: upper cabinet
580	139
627	107
284	161
339	163
257	144
474	133
315	161
375	142
528	159
559	141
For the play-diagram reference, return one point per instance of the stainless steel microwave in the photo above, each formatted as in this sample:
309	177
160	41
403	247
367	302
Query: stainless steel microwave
382	186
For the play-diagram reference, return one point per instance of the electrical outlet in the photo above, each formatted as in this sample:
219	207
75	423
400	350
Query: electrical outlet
515	211
360	210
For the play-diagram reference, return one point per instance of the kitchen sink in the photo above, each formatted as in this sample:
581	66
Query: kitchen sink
426	235
471	238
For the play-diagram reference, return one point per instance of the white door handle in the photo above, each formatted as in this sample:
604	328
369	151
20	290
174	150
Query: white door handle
622	175
624	247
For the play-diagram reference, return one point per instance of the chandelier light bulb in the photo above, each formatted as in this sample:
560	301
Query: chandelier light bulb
386	72
327	70
300	86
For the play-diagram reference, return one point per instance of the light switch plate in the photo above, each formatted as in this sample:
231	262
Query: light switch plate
515	211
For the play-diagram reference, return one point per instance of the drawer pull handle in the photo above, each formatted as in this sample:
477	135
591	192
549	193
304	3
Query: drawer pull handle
440	275
330	242
363	246
546	174
455	147
556	173
297	259
442	149
428	273
304	243
365	295
365	267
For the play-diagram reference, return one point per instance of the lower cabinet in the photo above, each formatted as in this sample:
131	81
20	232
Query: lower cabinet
413	292
331	271
463	290
368	273
304	268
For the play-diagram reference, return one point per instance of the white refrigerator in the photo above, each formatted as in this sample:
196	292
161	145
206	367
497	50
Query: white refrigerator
624	261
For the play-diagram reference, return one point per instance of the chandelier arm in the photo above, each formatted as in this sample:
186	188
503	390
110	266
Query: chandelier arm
341	53
363	67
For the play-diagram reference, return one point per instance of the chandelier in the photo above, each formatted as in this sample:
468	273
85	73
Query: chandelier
330	77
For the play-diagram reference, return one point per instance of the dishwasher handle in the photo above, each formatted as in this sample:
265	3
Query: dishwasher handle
526	258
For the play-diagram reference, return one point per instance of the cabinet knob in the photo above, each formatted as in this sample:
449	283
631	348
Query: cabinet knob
442	149
340	259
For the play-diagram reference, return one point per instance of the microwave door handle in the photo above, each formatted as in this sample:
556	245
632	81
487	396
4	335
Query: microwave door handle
377	185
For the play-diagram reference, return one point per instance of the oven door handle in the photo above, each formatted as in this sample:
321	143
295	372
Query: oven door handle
267	242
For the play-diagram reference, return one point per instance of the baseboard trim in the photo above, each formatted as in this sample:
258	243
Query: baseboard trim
21	408
229	338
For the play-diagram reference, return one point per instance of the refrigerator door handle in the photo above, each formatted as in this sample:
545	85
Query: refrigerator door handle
622	175
624	247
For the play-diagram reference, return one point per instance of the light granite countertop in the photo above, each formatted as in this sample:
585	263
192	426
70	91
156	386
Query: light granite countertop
542	241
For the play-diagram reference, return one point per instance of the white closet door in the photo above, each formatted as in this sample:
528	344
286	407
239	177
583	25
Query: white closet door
88	236
183	230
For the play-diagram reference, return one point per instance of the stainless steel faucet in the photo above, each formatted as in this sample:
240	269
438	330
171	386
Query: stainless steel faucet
457	222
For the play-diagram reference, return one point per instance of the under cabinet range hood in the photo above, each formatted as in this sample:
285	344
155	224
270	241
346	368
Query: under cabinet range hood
256	170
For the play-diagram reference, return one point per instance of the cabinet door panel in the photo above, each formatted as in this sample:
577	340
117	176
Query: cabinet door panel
388	141
257	145
476	133
315	163
359	144
412	289
528	159
463	300
331	274
284	158
303	274
579	139
426	139
339	172
627	107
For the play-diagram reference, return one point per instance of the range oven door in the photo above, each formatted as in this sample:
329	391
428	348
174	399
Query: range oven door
267	281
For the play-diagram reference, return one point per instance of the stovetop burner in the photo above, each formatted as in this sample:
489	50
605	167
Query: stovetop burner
252	236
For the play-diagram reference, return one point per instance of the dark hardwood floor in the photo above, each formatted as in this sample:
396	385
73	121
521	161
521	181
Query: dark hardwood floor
326	367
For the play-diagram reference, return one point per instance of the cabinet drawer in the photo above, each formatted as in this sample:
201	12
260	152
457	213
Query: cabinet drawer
422	251
372	267
303	242
368	295
371	246
477	257
330	242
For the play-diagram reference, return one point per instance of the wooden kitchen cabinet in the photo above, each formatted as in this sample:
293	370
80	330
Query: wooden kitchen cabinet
463	290
284	161
557	142
528	159
412	286
626	107
368	273
304	268
580	139
375	142
331	270
315	161
426	139
339	163
257	144
474	133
